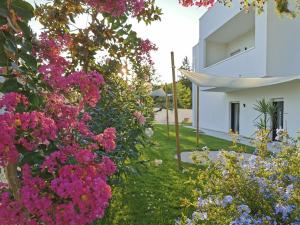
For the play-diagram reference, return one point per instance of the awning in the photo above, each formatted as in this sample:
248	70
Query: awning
229	84
158	93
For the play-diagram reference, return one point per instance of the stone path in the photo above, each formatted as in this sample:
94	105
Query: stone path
212	155
272	146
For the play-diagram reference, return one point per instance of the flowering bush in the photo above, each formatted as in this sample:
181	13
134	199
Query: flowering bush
258	190
58	166
69	184
116	111
108	44
57	169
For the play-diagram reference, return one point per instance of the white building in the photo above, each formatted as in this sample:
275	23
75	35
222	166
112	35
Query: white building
233	43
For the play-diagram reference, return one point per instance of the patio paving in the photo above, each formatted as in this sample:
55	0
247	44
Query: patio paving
183	115
223	135
212	155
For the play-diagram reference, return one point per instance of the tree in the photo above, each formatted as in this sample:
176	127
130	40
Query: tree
186	66
108	33
184	96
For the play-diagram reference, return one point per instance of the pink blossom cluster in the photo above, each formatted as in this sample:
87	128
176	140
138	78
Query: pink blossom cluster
139	117
145	48
88	84
117	7
107	139
137	6
28	129
205	3
54	68
39	129
11	100
82	190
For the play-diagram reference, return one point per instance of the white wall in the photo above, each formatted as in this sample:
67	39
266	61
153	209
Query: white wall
248	63
288	91
245	63
214	111
246	40
283	39
215	52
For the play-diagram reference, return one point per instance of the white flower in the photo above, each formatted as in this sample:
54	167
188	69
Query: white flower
205	148
157	162
149	132
199	216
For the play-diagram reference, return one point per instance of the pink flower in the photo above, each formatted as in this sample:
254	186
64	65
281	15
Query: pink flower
2	69
107	139
139	117
108	167
84	156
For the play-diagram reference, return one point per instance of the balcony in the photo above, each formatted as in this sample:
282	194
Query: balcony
232	39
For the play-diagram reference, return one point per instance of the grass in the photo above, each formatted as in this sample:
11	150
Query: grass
152	197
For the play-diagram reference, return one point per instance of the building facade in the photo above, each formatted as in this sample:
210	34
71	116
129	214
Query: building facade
234	43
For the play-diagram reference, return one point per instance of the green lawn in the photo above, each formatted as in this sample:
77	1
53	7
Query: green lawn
152	197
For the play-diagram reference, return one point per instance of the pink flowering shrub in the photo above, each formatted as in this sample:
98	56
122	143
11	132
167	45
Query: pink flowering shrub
66	182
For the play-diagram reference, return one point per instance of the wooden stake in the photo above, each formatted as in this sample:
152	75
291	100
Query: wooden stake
167	110
197	116
175	111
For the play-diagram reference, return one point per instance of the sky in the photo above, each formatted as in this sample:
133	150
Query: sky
177	31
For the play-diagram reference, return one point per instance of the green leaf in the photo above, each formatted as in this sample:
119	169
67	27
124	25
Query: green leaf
3	58
29	60
10	46
9	85
23	9
72	18
27	46
3	9
25	28
35	100
3	21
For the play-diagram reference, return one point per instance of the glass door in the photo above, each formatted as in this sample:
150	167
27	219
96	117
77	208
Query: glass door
235	116
277	122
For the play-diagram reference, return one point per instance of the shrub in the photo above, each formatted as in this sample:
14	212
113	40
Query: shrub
259	190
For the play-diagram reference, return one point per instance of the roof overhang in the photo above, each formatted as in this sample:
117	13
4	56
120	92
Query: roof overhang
229	84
